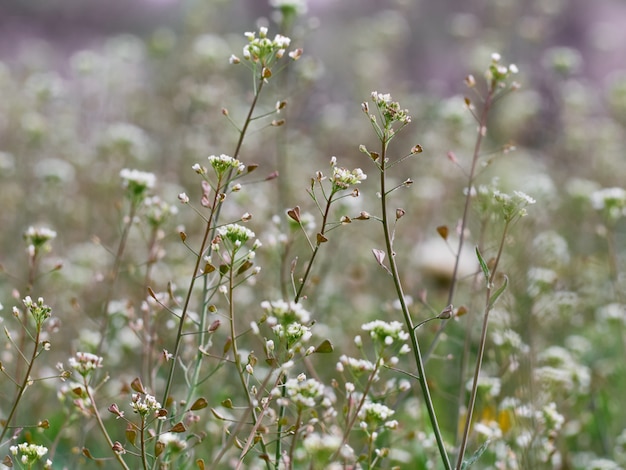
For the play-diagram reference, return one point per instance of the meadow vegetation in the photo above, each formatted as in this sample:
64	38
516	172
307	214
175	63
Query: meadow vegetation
208	264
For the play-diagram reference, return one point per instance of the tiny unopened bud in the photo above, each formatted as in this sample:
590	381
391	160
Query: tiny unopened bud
233	59
452	157
182	197
280	105
236	187
225	111
470	81
365	108
118	448
400	213
277	122
266	73
355	192
345	219
446	313
515	86
246	217
363	216
417	149
408	182
214	326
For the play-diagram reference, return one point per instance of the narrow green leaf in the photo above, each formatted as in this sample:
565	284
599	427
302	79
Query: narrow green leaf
483	266
472	460
498	293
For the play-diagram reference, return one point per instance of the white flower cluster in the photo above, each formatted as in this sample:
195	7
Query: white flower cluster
513	206
84	363
136	181
158	210
235	233
145	405
559	372
551	419
343	178
285	313
223	163
316	443
265	51
293	332
304	392
38	236
610	201
39	310
390	110
386	332
30	453
498	73
356	366
375	413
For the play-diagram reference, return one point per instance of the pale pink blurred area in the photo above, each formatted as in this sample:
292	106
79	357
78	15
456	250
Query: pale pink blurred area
434	38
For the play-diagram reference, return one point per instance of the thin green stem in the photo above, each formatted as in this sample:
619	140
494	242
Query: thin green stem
237	357
114	276
92	400
317	247
22	386
183	314
142	434
419	362
32	275
481	351
482	127
149	338
294	441
240	424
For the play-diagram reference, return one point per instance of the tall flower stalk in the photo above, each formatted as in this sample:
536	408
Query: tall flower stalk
497	76
393	119
511	208
262	56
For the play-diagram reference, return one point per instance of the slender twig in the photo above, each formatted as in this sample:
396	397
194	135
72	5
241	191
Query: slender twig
317	247
23	385
114	274
481	350
183	315
105	433
144	457
421	372
482	126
